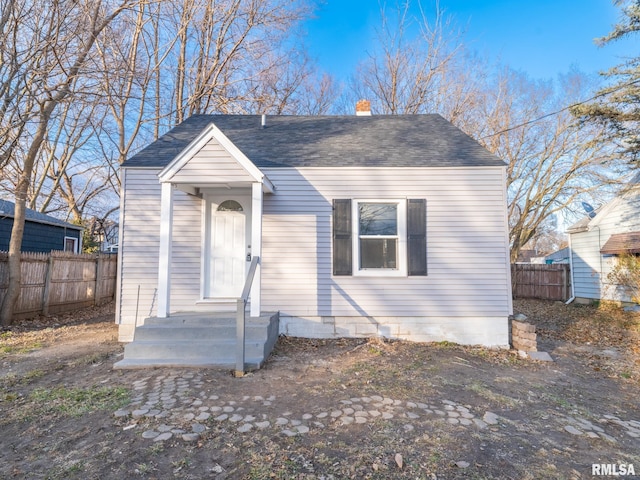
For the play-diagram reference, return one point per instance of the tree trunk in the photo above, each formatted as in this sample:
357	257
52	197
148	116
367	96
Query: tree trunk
17	231
52	96
15	274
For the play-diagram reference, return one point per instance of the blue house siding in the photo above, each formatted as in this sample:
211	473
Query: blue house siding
38	237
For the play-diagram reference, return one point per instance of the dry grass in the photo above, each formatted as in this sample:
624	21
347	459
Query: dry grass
603	324
599	326
28	335
532	400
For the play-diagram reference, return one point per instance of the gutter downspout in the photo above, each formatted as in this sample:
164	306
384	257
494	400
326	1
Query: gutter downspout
573	292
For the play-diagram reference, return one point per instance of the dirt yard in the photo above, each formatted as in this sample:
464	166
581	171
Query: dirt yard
326	409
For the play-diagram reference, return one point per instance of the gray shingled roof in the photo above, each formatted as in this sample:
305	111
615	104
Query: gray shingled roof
581	225
329	141
7	209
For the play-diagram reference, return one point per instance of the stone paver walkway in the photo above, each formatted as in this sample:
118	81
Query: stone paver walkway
181	404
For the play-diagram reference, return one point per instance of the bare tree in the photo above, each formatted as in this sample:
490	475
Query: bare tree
319	95
85	83
289	85
40	68
169	60
552	161
128	61
220	50
405	70
548	237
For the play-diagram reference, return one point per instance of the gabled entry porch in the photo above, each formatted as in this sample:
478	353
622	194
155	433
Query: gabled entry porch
231	190
213	194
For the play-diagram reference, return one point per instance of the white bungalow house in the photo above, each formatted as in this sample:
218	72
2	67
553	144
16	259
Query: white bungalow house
597	241
391	226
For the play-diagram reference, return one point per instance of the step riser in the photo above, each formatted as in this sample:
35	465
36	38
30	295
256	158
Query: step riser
194	340
190	351
250	363
155	333
197	321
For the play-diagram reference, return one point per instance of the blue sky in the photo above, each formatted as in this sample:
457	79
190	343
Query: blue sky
540	37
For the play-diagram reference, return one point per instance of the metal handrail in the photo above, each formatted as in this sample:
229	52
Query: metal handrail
241	317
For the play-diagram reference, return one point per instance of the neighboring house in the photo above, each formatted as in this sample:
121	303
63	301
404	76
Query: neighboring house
42	233
390	226
596	241
527	256
560	256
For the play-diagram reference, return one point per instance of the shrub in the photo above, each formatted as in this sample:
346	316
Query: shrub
626	273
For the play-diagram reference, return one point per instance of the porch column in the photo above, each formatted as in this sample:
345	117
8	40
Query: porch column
164	266
256	244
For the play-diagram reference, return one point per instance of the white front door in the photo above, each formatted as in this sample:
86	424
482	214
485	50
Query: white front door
227	249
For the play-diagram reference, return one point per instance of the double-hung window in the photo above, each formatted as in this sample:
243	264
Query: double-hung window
380	240
379	237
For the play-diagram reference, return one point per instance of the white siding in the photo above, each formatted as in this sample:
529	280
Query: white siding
586	258
590	268
186	252
211	164
140	226
465	297
466	242
138	249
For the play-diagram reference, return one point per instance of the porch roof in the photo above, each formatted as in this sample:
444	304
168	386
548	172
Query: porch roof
329	141
620	243
241	171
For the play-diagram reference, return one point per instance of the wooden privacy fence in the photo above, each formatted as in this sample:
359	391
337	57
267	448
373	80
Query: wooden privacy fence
547	282
58	282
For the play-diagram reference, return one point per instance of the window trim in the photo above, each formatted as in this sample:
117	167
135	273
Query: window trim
75	244
402	263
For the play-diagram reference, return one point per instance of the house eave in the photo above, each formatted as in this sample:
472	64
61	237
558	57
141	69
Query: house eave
571	231
139	167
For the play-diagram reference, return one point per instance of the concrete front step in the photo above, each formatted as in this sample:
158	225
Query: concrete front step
206	320
190	349
197	340
150	333
250	363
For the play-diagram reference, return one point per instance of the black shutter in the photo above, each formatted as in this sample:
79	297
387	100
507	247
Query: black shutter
342	255
417	236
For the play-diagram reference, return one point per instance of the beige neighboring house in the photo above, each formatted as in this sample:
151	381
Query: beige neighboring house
391	226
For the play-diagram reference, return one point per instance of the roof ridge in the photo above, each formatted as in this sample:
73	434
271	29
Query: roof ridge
420	140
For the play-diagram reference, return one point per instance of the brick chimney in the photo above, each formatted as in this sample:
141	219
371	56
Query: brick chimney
363	108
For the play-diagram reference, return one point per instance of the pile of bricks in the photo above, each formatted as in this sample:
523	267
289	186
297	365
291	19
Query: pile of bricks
523	336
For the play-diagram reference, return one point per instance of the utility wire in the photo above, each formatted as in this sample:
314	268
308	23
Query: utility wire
524	124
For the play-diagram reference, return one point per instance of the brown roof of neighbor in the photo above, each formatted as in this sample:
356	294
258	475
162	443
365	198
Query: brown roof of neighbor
622	243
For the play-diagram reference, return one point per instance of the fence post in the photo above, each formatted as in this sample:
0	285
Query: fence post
47	286
96	293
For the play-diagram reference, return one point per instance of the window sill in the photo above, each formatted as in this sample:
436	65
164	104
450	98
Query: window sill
380	273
